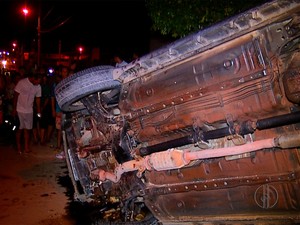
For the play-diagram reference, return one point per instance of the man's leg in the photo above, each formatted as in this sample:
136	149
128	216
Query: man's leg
42	136
18	140
50	130
26	140
35	130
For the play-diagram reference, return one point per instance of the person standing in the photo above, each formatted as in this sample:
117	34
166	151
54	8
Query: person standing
27	91
57	112
47	120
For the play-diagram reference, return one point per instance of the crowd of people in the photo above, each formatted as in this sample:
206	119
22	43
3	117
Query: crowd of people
28	101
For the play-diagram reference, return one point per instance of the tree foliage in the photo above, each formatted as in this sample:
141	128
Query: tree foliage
178	18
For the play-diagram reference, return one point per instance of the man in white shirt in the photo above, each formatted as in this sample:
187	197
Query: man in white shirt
26	91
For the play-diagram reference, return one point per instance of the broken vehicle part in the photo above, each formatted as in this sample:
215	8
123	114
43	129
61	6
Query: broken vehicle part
205	130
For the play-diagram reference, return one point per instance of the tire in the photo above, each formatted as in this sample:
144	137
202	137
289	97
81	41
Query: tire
83	83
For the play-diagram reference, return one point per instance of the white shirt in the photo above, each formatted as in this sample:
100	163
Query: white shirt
27	92
123	63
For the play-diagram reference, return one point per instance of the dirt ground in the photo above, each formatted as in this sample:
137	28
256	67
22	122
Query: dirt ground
32	190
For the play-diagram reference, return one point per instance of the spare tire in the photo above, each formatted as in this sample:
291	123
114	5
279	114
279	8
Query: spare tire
83	83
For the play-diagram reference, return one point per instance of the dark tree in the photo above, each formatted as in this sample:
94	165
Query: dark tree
178	18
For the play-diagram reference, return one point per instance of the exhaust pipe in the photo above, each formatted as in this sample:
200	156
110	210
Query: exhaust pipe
176	159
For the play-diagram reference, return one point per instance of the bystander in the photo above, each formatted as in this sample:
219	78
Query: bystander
26	91
64	73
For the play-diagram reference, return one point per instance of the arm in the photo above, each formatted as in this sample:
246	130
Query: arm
38	104
53	106
15	101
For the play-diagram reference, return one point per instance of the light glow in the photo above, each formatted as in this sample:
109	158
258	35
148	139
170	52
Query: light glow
25	11
4	63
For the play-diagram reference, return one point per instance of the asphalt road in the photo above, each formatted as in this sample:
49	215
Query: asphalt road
35	188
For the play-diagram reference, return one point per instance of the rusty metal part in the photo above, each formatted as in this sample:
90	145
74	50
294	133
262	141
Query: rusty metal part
243	129
291	79
176	159
263	187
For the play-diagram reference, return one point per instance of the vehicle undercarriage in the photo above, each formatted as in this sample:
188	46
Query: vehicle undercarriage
202	131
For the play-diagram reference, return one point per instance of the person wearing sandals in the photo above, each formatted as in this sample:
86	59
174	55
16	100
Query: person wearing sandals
27	91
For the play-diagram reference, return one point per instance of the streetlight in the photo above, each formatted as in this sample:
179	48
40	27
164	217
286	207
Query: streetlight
14	44
80	49
25	11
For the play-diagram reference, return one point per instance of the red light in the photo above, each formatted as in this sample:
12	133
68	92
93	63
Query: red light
80	49
25	11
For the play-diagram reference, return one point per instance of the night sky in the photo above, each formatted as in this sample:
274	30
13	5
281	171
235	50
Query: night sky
112	25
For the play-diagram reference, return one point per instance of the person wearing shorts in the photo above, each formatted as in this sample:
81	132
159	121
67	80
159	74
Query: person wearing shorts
27	91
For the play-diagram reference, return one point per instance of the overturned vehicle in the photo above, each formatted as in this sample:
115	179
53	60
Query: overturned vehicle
202	131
